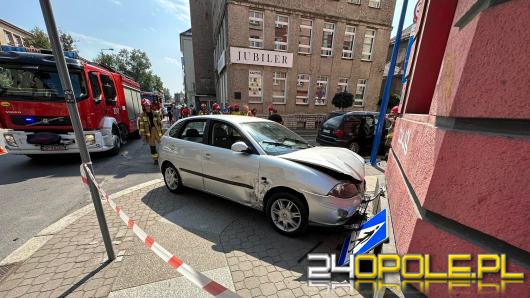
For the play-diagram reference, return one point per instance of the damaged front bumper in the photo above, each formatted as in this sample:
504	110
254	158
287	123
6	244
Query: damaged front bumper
328	210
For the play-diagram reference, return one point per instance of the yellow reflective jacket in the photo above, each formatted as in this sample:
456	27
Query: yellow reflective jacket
144	124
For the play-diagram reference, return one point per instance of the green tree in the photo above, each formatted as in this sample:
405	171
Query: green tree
393	100
167	95
342	100
39	39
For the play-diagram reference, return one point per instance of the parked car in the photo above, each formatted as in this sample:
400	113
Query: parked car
263	165
352	130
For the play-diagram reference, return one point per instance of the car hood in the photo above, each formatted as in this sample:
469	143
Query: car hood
335	159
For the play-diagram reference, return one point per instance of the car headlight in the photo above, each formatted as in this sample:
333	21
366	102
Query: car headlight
345	190
10	140
90	139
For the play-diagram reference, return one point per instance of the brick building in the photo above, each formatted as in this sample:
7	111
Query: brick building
296	54
12	35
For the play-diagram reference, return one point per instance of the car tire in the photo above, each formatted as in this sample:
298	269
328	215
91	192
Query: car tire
116	141
283	219
172	178
354	147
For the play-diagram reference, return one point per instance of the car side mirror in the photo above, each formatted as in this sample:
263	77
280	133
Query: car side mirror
240	147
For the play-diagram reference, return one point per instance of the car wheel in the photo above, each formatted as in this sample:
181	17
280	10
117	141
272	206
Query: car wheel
354	147
116	141
287	214
172	178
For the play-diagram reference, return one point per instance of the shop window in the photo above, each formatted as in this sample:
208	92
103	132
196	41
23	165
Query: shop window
368	44
302	89
321	91
349	41
305	36
327	39
281	32
255	90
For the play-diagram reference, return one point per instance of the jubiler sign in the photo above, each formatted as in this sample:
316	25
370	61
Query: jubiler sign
261	57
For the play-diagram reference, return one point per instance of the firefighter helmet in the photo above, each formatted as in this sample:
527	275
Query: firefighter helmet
146	102
394	110
216	106
236	107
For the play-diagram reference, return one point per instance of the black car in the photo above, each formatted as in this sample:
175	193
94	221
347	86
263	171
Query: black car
353	130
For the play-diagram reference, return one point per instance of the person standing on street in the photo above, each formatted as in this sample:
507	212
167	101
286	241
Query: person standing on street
274	116
216	109
175	112
150	128
184	112
389	126
236	110
204	110
246	111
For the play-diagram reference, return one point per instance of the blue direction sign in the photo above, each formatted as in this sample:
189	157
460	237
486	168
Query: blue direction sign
366	238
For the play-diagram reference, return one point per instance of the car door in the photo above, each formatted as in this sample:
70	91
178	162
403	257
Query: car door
230	174
187	149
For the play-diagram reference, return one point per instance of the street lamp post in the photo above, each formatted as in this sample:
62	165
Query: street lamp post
71	104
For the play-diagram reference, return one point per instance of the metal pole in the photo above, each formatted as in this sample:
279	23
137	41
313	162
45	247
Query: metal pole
388	84
74	117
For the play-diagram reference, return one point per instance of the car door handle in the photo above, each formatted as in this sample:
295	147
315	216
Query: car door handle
207	156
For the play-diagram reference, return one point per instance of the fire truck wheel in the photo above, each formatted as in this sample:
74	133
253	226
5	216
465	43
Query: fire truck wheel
124	134
116	140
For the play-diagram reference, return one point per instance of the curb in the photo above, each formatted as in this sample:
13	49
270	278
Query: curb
25	251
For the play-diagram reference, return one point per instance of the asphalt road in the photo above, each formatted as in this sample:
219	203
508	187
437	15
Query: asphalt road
35	194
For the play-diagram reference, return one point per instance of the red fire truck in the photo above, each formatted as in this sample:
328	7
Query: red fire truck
156	99
34	118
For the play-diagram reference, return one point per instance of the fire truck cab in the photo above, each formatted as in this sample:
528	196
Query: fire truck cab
34	118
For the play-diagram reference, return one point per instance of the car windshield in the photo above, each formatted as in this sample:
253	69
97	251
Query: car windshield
334	121
274	138
36	84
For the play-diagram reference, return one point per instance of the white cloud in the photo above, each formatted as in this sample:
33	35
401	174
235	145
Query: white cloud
82	39
178	8
117	2
172	60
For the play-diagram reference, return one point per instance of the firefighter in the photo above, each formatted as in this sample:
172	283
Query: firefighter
150	128
236	110
204	110
216	109
246	111
389	126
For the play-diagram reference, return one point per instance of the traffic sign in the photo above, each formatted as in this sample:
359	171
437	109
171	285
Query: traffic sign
367	237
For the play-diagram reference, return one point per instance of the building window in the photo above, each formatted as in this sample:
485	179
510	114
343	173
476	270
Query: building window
374	3
360	92
281	32
9	38
349	41
342	86
255	21
306	31
279	87
302	89
354	2
368	44
321	91
255	80
327	39
18	41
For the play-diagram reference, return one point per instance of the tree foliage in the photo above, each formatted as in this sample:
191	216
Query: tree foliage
393	100
342	100
167	95
134	64
40	40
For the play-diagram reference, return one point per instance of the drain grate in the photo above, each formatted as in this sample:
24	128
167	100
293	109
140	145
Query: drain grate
5	269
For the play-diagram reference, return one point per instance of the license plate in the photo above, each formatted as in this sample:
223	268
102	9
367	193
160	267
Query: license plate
326	131
53	147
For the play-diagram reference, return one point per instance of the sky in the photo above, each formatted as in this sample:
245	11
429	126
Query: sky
152	26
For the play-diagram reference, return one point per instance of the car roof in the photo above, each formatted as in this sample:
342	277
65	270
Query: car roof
231	118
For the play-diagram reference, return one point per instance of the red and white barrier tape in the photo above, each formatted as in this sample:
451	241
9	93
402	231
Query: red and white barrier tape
199	279
2	150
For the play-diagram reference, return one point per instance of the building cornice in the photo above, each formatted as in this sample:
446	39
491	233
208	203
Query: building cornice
3	22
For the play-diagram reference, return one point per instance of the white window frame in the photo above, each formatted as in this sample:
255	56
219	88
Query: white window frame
327	52
357	2
374	3
310	38
281	45
305	99
10	39
256	43
276	81
360	83
348	54
320	82
367	56
342	85
253	99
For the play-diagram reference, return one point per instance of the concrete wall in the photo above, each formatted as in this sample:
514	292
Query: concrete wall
203	46
458	174
186	47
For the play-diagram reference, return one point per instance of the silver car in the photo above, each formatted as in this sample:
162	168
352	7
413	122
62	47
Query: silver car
263	165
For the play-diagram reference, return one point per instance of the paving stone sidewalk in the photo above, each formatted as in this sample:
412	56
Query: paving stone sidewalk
230	243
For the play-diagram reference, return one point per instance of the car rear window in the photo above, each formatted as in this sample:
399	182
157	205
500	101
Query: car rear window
333	122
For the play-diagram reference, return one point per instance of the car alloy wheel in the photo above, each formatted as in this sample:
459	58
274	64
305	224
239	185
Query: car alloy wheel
286	215
172	179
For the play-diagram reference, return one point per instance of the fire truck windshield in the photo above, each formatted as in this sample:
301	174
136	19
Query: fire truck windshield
37	85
